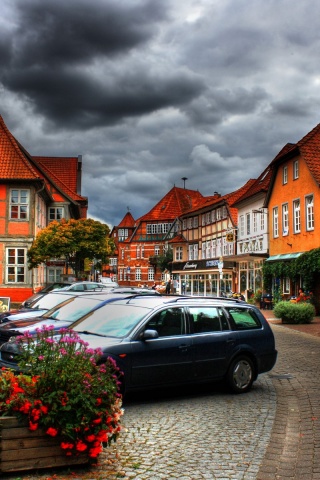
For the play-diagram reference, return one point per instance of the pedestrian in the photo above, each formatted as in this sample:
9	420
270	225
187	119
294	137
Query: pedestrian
168	287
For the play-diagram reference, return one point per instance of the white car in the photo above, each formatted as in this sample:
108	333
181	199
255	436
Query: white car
108	282
85	287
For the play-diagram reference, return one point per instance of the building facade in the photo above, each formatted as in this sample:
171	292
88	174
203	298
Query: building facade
33	192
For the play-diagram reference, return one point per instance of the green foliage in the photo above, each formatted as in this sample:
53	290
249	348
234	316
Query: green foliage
163	262
65	390
307	266
72	240
294	312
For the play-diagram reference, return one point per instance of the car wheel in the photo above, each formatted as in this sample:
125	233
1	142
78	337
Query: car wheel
241	374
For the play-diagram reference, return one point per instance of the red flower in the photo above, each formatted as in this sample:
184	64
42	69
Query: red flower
90	438
25	407
52	431
94	452
33	426
97	421
66	445
81	446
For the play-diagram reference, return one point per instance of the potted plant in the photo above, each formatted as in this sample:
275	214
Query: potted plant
64	391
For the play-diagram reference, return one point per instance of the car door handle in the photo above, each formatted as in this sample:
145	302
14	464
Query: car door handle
183	348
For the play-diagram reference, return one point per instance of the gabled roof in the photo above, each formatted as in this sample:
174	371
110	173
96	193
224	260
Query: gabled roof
63	171
15	162
18	165
308	148
260	185
127	221
173	204
178	239
229	199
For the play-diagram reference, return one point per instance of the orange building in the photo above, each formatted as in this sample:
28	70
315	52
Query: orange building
33	192
293	201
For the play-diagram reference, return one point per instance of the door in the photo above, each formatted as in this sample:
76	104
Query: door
213	342
167	359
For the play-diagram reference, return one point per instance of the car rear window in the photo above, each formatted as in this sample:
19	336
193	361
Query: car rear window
244	319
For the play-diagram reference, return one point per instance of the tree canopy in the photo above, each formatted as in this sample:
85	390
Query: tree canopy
72	240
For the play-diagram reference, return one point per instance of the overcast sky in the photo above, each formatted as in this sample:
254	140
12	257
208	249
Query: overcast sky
150	91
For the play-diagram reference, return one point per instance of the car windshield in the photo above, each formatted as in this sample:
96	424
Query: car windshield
112	320
72	309
48	301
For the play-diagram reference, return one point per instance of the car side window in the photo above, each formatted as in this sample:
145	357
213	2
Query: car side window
244	318
168	323
208	319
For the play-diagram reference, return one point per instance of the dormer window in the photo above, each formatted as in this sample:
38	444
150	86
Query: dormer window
56	213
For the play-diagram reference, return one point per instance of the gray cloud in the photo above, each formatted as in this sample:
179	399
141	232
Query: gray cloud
150	92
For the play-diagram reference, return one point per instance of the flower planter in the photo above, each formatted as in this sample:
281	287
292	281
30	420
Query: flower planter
22	449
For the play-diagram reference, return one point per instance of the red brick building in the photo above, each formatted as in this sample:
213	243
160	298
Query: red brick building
141	242
33	192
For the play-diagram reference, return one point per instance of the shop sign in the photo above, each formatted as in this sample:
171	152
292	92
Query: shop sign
190	266
212	263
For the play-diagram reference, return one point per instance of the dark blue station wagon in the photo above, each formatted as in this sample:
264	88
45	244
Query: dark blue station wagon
168	341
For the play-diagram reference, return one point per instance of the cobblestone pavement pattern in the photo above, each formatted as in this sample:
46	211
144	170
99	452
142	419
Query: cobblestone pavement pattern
270	433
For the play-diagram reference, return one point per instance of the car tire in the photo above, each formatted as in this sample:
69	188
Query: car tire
240	375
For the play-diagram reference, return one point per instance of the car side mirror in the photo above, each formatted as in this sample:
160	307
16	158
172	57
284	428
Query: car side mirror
150	334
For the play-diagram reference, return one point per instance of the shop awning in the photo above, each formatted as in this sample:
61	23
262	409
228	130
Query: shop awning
284	256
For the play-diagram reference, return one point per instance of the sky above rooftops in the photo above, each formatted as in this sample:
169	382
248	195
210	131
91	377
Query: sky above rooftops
150	92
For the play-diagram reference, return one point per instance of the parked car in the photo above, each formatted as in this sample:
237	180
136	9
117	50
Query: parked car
44	291
164	341
70	308
108	282
39	306
86	285
137	290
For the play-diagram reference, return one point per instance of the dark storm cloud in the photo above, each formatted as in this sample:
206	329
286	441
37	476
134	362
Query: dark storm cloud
51	33
152	91
63	65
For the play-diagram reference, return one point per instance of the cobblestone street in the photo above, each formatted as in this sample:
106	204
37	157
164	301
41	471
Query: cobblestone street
206	433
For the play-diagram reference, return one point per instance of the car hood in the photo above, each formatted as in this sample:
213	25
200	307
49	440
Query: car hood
32	325
23	315
95	341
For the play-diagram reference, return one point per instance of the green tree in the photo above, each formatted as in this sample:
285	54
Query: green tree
72	240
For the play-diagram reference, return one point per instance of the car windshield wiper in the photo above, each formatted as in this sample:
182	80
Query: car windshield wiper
86	332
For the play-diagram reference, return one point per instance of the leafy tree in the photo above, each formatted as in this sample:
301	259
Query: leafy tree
72	240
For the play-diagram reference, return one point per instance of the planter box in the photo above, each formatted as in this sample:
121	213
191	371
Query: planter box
22	449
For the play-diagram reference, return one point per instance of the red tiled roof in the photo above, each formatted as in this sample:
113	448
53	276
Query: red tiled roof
309	147
178	239
15	162
65	168
173	204
58	174
127	221
261	184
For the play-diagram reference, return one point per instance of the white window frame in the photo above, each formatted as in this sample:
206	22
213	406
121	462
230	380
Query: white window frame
16	265
138	273
19	204
241	226
248	223
285	219
285	175
296	169
309	213
275	222
178	253
255	222
296	216
56	213
150	273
